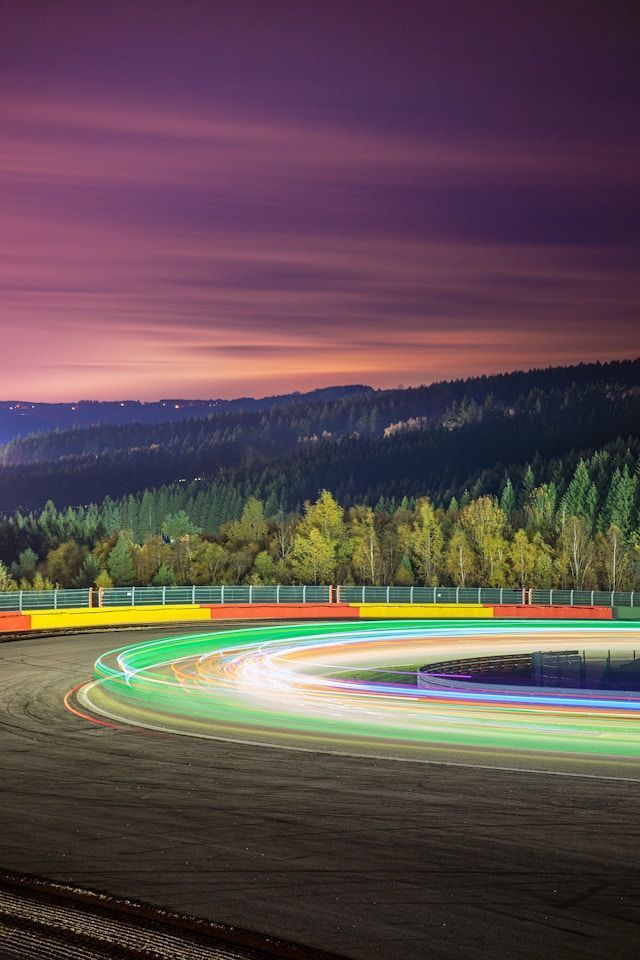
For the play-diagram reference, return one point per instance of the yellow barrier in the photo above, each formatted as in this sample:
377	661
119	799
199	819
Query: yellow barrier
420	611
80	617
110	616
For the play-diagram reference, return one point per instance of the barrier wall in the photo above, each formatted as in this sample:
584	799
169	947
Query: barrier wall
419	611
14	622
283	611
83	617
626	613
115	616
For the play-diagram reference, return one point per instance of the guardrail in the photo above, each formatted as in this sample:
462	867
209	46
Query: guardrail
139	596
350	594
24	600
498	595
19	600
584	598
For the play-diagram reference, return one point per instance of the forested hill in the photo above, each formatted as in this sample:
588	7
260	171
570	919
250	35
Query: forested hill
534	479
22	417
439	440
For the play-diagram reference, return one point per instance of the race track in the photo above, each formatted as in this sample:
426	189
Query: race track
292	686
362	855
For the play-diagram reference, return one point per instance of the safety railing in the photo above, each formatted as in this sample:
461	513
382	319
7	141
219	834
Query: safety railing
161	596
25	600
584	598
19	600
350	594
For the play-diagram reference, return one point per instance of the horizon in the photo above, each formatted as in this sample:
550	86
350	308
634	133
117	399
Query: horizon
312	389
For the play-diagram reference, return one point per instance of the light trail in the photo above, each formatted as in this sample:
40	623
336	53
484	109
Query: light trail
285	685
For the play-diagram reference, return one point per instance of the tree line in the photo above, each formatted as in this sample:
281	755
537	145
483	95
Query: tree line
583	533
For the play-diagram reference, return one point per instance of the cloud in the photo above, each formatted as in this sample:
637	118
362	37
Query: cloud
148	252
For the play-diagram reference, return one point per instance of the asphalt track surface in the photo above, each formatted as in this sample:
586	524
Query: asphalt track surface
364	856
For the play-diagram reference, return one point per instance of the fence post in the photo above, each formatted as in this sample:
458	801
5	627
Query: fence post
100	596
164	596
90	596
457	594
193	595
278	594
612	598
222	593
479	594
363	593
592	594
434	595
338	594
551	597
388	589
501	594
20	602
250	593
55	599
410	594
571	599
133	596
631	604
304	593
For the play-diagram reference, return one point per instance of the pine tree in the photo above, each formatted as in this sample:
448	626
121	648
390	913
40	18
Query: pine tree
165	577
120	563
619	508
508	499
89	571
578	497
526	487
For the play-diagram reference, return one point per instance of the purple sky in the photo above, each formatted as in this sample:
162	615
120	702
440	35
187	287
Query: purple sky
227	198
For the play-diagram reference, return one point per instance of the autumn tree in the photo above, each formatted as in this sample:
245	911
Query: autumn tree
614	558
209	562
313	558
484	524
6	580
364	547
252	526
461	559
576	552
63	564
426	543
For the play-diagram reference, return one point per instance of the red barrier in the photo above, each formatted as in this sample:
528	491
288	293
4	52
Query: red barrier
553	613
14	622
282	611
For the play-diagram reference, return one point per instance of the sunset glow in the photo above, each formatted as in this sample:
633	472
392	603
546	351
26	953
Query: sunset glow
187	213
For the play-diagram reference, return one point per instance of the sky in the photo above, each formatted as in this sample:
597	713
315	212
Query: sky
229	198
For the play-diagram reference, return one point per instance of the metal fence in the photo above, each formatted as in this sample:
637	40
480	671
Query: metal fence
347	594
161	596
19	600
584	598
